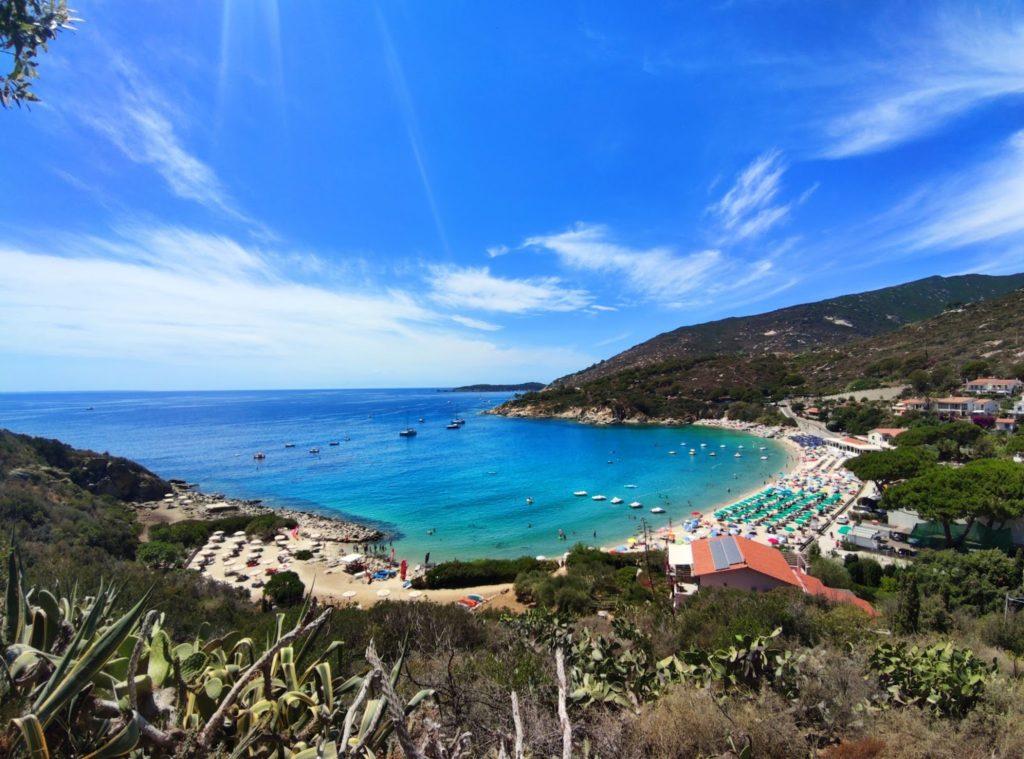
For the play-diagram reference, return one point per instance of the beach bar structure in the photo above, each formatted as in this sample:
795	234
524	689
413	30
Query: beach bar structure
734	562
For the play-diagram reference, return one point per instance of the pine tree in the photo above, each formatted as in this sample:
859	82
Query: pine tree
1018	568
908	608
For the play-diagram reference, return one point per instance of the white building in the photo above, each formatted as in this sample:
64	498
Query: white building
994	386
883	436
965	406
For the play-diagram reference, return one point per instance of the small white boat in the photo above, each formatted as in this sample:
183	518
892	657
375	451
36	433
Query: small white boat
671	453
657	510
580	493
333	442
635	505
693	452
421	420
314	450
736	455
289	445
407	432
616	500
764	458
598	498
722	445
529	501
740	445
712	453
259	455
703	445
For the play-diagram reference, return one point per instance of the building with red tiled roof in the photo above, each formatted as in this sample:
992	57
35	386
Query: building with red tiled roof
735	562
994	386
882	436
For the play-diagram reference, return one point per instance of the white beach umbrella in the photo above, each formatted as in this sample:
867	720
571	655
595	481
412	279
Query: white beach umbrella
383	593
349	594
415	594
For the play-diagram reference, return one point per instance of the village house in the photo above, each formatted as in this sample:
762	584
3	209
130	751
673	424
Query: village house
883	436
911	404
963	406
1018	409
994	386
735	562
1006	424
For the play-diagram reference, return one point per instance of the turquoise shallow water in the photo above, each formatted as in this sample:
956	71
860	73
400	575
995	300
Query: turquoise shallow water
469	486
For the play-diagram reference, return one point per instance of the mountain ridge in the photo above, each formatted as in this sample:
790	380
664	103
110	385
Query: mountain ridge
807	326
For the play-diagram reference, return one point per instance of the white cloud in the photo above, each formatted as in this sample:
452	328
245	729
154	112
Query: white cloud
480	324
656	273
497	250
982	204
746	210
660	274
240	323
146	128
929	77
599	307
478	289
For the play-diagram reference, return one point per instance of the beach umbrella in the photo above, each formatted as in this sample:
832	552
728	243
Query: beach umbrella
349	594
240	533
384	593
695	514
415	594
541	558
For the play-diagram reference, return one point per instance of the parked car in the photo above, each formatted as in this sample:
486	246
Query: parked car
906	553
899	537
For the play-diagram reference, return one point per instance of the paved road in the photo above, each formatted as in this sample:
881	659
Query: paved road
806	426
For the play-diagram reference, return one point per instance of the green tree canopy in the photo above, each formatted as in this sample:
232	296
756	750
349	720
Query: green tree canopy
158	553
988	489
285	589
892	465
26	26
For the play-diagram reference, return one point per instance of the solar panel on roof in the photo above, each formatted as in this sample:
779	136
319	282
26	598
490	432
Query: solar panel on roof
732	551
718	555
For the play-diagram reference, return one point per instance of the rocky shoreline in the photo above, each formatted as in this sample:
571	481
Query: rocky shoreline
186	502
595	415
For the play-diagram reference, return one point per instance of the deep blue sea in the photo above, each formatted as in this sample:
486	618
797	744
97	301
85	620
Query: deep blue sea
468	486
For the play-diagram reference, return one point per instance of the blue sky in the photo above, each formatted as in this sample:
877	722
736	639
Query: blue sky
344	194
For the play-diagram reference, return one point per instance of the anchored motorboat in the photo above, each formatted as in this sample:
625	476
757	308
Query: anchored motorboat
407	432
616	500
259	455
580	493
314	450
635	505
599	498
657	510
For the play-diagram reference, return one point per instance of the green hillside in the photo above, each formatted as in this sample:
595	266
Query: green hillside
937	353
809	326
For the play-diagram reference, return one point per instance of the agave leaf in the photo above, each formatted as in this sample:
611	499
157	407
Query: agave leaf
122	742
13	621
418	699
286	657
32	733
325	685
90	662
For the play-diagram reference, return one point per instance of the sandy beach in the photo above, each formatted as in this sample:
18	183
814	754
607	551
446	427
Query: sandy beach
809	471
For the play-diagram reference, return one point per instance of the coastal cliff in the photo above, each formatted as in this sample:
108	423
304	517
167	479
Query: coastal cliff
598	415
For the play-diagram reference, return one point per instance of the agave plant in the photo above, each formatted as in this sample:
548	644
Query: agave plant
97	685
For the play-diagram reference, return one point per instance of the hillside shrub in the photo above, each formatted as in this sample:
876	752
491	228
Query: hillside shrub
285	589
160	554
466	574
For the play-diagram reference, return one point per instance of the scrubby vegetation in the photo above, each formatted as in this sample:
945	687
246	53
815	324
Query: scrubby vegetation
465	574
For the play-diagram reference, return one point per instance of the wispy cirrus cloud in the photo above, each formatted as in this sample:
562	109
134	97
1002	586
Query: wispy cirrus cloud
982	204
478	289
748	209
144	125
495	251
924	79
480	324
